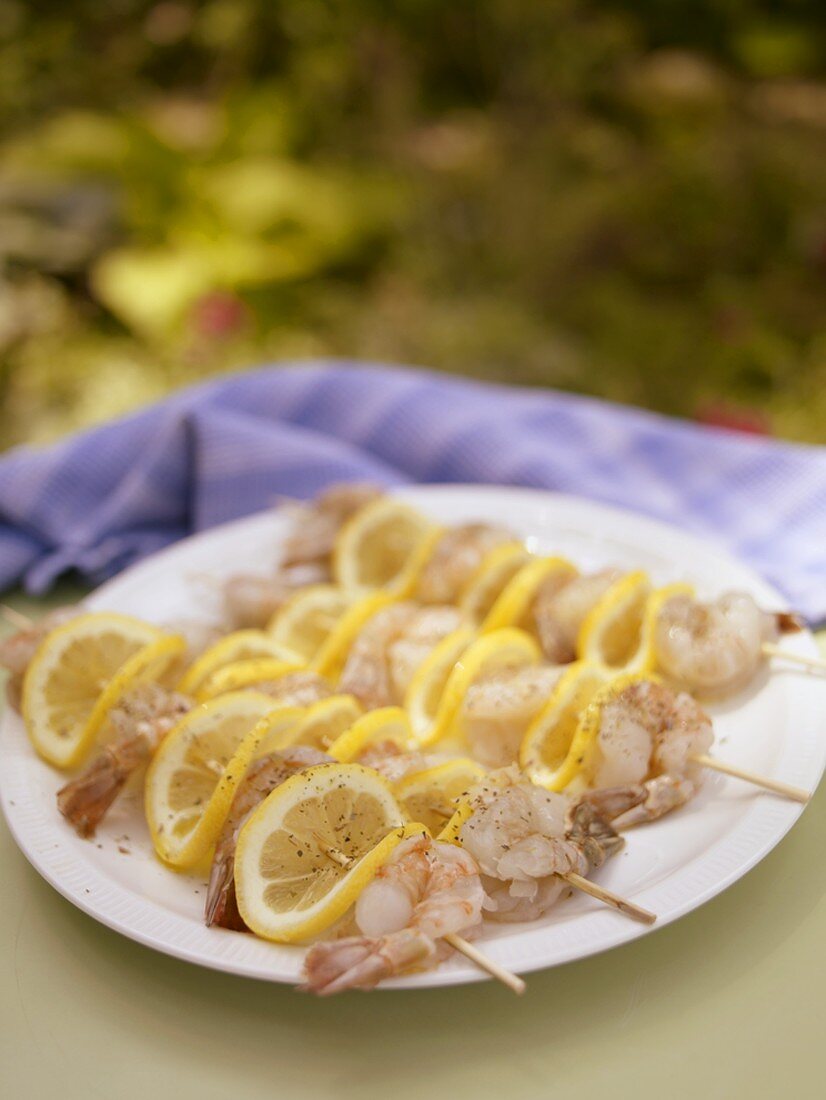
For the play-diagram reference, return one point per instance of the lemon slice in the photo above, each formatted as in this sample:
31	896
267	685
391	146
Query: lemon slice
580	763
321	724
238	646
331	658
462	813
378	726
514	604
424	693
495	571
65	698
489	655
305	622
189	786
616	631
245	674
432	796
312	846
384	545
545	753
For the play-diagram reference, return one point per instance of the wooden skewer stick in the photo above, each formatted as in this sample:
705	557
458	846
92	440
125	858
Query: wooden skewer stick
512	981
16	618
609	898
770	650
456	942
786	789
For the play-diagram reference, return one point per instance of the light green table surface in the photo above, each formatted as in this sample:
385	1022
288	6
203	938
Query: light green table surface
729	1002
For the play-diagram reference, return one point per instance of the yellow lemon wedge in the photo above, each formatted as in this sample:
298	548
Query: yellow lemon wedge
76	675
424	693
241	645
311	847
545	753
494	653
374	728
616	632
305	622
189	787
432	795
489	580
384	545
453	827
245	674
513	605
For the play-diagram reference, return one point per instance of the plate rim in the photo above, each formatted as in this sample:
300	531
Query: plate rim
773	817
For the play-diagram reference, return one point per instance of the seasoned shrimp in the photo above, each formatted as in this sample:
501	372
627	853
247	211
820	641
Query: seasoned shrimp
422	633
644	746
139	722
391	646
17	650
296	689
457	554
394	763
524	837
262	777
713	649
560	607
251	600
426	891
497	710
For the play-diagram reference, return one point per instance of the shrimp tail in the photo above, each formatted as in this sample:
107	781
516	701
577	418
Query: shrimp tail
361	962
662	794
592	833
788	622
221	907
85	801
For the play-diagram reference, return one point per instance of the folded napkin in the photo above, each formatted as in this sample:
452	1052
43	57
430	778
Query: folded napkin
101	500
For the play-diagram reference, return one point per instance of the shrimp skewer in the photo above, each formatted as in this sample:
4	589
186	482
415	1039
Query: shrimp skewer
531	843
650	748
426	892
140	721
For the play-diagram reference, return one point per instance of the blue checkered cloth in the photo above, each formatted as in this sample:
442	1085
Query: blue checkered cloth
101	500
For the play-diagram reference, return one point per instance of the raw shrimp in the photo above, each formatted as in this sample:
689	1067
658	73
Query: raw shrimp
560	606
524	837
425	891
497	710
647	737
422	633
457	554
262	777
366	672
251	600
713	649
388	650
139	722
296	689
17	650
394	763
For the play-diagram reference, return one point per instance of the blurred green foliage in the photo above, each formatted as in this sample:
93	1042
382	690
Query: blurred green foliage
626	200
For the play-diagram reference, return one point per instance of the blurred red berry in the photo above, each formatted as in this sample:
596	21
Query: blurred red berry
218	314
737	418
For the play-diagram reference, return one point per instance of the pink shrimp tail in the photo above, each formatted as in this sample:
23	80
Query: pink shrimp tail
361	962
84	801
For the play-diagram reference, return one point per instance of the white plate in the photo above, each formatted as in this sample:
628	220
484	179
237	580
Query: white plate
670	867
